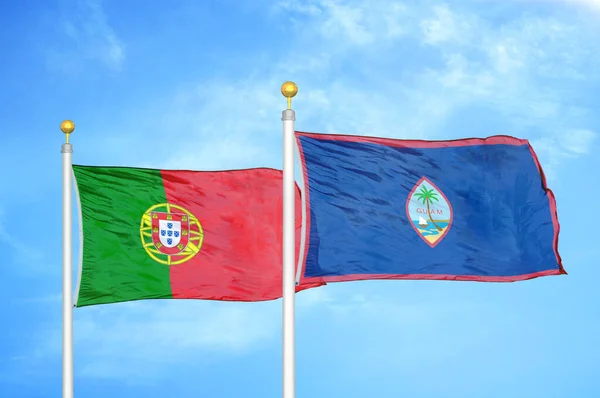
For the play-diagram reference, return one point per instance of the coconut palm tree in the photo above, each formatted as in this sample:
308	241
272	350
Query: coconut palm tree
428	196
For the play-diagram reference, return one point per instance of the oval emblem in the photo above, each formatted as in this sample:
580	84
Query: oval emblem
429	212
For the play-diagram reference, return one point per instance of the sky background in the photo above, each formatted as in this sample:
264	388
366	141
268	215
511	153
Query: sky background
195	85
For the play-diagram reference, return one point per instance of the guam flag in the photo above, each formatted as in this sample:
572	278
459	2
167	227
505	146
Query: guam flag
470	209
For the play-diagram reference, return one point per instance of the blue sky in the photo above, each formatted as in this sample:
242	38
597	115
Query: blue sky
195	84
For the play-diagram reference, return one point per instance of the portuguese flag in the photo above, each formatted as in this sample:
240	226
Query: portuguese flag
158	234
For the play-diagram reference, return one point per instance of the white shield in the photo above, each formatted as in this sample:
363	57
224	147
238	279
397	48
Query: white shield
169	232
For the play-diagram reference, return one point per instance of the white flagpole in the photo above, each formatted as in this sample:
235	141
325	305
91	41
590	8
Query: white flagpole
289	90
67	127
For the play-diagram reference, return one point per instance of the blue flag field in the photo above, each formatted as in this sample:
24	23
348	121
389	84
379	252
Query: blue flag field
471	210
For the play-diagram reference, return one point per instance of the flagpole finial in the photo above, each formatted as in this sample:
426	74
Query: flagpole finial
67	127
289	90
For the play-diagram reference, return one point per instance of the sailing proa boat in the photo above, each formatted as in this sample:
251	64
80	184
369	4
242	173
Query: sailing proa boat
422	222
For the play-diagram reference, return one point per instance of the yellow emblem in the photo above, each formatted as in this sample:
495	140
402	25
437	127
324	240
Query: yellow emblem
170	234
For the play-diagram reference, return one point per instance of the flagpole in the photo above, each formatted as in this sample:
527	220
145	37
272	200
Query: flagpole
67	127
289	90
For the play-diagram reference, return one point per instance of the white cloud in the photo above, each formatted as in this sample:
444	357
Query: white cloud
593	5
553	149
23	252
355	23
90	37
445	27
477	63
587	5
136	340
502	67
578	142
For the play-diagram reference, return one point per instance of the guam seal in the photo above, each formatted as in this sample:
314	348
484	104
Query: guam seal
170	234
429	212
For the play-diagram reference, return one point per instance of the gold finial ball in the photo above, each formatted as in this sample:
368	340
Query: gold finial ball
67	126
289	89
